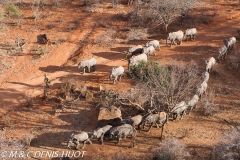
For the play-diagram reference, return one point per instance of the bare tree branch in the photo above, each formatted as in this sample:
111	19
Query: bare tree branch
166	11
129	103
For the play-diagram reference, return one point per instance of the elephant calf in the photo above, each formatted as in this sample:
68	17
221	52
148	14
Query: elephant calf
88	63
81	137
99	133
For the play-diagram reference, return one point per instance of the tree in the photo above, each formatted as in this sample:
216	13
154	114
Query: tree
166	11
170	85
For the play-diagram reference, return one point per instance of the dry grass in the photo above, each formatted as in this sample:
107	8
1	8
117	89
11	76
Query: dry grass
73	90
209	108
27	100
137	34
172	149
8	144
234	60
106	39
229	147
27	138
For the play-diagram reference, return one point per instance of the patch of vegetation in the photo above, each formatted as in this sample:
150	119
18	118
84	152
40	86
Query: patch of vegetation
73	90
9	144
209	108
12	10
170	84
234	60
92	5
159	13
137	34
171	149
43	51
28	100
106	39
229	149
144	70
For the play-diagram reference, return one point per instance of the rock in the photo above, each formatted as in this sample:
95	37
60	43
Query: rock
109	115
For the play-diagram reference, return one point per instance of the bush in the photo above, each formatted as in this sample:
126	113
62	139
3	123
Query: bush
73	90
26	140
12	10
209	108
43	51
92	5
106	39
144	70
234	60
230	149
8	144
28	100
137	34
170	84
171	149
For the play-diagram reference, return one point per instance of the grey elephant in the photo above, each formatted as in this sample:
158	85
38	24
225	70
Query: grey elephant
172	36
190	33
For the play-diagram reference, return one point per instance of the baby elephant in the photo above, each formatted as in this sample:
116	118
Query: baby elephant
81	137
118	71
100	133
88	64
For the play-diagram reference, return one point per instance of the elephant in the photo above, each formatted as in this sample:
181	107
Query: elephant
190	33
175	36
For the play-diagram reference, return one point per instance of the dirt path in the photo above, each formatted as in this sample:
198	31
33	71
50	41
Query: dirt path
28	79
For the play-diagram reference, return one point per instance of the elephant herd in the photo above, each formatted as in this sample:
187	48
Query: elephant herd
179	36
138	54
126	128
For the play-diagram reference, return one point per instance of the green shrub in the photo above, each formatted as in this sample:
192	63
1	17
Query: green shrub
43	51
138	71
12	10
147	70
